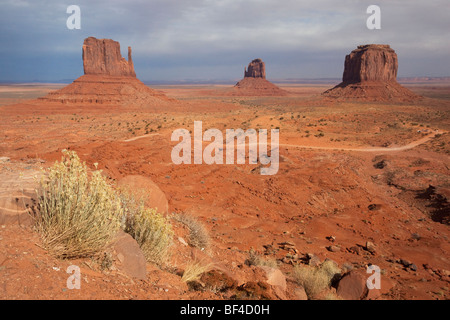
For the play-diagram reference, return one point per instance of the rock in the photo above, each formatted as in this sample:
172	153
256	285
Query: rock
183	242
218	280
370	247
352	286
334	248
370	74
108	79
373	62
129	257
103	57
300	293
255	83
314	260
275	278
255	69
144	187
18	196
404	263
4	159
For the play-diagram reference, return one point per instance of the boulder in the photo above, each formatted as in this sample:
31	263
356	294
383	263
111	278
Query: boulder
18	196
352	286
128	256
144	187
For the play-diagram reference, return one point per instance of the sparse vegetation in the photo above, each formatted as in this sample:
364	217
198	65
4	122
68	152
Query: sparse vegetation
194	270
198	235
78	213
255	259
152	231
316	279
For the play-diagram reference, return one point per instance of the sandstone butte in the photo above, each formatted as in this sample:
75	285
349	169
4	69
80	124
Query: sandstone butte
108	79
370	74
255	83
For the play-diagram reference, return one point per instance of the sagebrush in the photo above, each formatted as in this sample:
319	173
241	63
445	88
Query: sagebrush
78	213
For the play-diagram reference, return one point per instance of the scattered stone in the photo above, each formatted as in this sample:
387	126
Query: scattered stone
331	238
355	250
380	165
370	247
373	206
416	236
314	260
334	248
183	242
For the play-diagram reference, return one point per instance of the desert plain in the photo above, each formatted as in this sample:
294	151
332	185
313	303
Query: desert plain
360	183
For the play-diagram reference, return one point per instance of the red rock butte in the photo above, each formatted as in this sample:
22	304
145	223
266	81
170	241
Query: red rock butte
370	74
108	79
255	83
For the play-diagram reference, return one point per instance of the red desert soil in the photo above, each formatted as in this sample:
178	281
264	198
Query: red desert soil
366	178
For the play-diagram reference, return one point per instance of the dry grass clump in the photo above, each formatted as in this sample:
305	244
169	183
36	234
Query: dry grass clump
255	259
315	279
152	231
198	235
194	270
78	213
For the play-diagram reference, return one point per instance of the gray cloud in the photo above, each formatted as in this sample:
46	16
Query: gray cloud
206	39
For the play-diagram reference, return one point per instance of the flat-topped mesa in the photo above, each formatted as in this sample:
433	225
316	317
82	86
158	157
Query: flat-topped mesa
255	69
103	57
370	74
372	62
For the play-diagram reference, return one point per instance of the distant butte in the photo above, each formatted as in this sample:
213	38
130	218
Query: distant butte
102	57
370	74
255	83
108	79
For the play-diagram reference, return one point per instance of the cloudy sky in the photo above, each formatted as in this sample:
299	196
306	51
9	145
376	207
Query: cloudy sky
215	39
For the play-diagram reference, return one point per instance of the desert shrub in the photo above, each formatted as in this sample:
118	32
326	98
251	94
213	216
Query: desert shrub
152	231
194	270
198	235
255	259
315	279
78	212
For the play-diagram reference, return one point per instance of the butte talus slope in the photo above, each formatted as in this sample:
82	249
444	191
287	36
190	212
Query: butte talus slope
108	79
255	83
370	74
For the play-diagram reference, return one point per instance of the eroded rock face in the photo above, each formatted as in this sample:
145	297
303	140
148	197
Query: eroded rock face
370	74
102	57
372	62
255	69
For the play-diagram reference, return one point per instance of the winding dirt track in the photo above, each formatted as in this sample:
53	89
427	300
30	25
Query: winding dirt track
408	146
